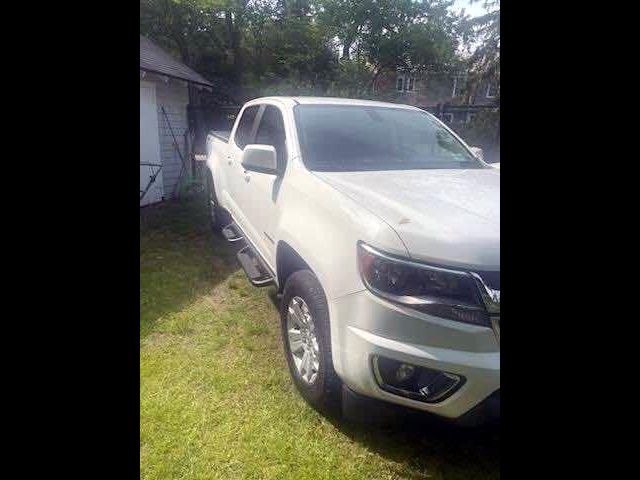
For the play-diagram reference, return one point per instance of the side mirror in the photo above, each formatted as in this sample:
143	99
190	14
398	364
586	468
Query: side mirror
477	152
260	158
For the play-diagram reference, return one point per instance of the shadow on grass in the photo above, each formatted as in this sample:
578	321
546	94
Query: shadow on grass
416	440
181	259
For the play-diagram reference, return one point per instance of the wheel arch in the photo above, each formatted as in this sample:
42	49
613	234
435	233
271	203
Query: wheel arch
288	261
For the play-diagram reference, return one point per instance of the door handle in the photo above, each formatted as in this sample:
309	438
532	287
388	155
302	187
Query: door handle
247	178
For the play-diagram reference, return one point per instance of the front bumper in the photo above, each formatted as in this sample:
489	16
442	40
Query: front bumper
487	410
364	325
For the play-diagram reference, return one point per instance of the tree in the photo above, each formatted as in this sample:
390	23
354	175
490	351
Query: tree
484	63
394	34
284	45
345	19
193	30
352	80
289	52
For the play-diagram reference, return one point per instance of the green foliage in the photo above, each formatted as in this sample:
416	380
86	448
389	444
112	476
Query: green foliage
483	131
293	46
392	34
192	30
352	80
289	52
484	63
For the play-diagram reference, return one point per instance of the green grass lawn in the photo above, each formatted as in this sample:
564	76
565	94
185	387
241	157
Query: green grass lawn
216	400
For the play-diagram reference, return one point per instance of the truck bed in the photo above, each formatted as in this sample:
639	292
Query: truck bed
221	135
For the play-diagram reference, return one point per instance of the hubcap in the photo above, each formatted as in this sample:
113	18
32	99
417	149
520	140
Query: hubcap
303	342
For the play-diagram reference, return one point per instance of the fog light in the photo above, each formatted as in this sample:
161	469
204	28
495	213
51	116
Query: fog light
425	392
415	382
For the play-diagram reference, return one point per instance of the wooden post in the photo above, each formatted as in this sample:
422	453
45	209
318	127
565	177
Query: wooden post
187	151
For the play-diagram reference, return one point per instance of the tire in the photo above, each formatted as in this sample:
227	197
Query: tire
214	211
324	392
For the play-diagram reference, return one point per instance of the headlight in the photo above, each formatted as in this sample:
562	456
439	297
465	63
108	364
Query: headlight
437	291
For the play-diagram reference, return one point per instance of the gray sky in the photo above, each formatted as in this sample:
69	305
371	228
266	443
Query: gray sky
474	10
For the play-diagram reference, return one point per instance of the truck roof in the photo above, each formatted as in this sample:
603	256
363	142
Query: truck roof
291	101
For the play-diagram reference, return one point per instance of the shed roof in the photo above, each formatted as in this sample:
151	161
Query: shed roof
154	59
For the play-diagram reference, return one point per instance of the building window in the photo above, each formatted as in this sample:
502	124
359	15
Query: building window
491	90
405	83
459	86
410	81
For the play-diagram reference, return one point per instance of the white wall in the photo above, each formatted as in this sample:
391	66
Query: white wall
149	146
174	97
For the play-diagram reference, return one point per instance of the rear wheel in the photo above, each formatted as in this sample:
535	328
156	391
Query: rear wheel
307	341
213	208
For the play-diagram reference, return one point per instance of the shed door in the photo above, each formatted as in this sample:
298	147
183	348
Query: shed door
149	146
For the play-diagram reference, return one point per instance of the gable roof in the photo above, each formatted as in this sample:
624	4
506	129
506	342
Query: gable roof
154	59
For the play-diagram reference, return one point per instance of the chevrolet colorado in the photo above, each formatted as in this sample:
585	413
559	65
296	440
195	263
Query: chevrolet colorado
380	229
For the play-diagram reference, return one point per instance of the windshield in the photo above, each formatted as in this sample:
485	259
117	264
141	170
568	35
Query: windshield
355	138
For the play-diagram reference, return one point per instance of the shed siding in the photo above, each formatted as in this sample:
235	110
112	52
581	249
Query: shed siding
174	97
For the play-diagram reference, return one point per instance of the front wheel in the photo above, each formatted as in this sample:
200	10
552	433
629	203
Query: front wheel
307	341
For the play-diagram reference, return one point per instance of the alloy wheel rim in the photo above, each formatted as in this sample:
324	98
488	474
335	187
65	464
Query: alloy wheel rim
303	342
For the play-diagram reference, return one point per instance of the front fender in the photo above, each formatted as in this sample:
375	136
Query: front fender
323	226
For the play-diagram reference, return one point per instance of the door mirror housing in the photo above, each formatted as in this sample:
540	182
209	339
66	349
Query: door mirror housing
477	152
260	158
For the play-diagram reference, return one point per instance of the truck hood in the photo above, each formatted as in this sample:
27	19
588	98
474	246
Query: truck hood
446	217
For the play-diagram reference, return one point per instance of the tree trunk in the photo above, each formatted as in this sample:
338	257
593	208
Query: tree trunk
376	73
228	21
184	49
345	49
232	39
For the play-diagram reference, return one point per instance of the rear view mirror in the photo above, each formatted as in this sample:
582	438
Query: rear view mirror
477	152
260	158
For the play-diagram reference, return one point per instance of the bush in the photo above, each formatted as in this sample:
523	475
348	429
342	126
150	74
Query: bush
483	131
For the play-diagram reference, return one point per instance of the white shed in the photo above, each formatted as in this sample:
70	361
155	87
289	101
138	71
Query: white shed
164	97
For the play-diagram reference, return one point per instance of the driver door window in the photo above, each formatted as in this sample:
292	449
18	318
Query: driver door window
271	132
245	127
